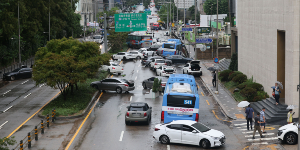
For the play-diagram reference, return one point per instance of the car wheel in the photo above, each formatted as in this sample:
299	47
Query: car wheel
164	139
138	57
205	143
148	121
200	74
12	78
119	90
124	58
127	123
144	85
291	138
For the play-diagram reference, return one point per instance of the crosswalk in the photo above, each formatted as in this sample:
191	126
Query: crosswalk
270	136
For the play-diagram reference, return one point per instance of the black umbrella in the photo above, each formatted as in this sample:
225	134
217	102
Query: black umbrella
211	68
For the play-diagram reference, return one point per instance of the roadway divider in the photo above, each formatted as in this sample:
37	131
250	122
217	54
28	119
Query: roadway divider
35	132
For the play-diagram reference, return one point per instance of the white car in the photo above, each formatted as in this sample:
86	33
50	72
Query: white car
156	63
149	53
123	55
136	54
141	50
165	71
192	68
113	68
288	133
188	132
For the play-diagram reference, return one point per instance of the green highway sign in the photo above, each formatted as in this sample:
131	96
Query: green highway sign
203	30
130	22
147	12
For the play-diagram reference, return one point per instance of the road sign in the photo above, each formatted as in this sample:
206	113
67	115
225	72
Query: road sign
148	12
204	40
203	48
187	29
130	22
216	60
203	30
173	24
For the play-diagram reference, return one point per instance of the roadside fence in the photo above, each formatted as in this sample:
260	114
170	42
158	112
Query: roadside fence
29	62
39	128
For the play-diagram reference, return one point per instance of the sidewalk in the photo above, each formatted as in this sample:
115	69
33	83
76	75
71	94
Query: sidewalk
223	98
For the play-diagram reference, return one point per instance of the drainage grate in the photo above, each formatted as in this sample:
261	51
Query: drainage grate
203	87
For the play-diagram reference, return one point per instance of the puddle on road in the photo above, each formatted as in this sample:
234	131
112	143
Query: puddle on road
100	104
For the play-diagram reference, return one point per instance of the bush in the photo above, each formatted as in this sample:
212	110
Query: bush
249	93
240	78
233	74
159	87
256	86
155	86
224	75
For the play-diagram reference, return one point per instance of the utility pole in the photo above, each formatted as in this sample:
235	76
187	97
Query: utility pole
217	45
19	33
105	33
177	12
184	12
170	17
49	20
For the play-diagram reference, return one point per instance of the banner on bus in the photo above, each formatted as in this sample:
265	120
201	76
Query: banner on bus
180	109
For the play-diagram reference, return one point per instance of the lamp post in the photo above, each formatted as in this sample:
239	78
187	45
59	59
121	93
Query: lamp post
19	33
217	44
71	9
49	20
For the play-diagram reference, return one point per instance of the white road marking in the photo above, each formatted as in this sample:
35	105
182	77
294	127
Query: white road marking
121	137
137	71
8	108
27	95
243	129
130	98
259	135
6	92
25	81
240	124
260	143
135	78
168	147
264	139
247	132
3	124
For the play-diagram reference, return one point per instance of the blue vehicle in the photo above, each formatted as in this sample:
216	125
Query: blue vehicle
139	41
174	47
181	99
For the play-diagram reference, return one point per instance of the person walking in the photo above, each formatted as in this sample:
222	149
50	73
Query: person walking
290	116
263	119
249	115
277	91
256	126
214	79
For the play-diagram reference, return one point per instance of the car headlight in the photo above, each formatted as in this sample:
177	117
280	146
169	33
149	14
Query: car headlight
279	132
216	138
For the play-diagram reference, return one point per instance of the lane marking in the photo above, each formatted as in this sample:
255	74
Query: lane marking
120	62
32	116
130	98
168	147
3	124
243	130
260	143
6	92
121	137
198	87
245	147
241	124
269	128
215	115
259	135
202	94
27	95
135	78
68	146
272	138
8	108
207	102
25	81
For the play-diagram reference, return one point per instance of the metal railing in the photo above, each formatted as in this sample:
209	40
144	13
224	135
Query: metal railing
29	62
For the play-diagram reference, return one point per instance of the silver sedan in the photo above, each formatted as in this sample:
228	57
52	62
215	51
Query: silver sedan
138	112
114	84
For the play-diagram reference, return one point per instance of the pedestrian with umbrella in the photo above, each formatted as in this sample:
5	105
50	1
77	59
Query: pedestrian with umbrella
290	114
249	112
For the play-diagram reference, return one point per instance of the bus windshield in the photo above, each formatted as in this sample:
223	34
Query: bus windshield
181	101
166	45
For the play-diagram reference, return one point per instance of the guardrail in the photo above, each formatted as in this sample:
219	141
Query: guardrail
40	127
29	62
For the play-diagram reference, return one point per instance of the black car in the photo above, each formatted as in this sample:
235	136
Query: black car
148	83
18	73
179	59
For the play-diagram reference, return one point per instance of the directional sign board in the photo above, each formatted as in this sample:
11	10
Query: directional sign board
204	40
130	22
148	12
216	60
187	29
203	30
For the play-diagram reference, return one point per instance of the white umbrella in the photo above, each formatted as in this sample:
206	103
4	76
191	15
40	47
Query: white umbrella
279	84
291	107
243	104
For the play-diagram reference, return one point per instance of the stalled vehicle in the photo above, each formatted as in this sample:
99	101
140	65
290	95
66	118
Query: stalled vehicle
192	68
138	112
18	73
114	84
148	83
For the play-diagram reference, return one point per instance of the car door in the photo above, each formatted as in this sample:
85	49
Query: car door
158	70
112	84
188	137
103	85
21	73
174	59
174	132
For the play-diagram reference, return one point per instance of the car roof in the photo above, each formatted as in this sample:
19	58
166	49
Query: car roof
158	59
137	104
186	122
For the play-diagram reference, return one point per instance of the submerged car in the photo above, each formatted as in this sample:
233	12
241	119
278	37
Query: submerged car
114	84
192	68
138	112
18	74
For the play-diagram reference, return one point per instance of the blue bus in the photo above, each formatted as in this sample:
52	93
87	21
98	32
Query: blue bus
181	99
139	40
174	47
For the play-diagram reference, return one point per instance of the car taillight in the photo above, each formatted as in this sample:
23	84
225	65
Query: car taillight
163	84
197	117
122	68
127	114
175	53
156	129
145	114
126	84
155	64
162	116
113	68
165	63
162	51
190	68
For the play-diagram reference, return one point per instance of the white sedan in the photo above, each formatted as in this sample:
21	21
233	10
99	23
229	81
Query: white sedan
188	132
136	54
288	133
165	71
123	55
113	68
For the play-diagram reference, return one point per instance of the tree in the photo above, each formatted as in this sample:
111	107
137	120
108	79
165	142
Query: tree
223	7
65	62
5	142
116	39
165	9
192	17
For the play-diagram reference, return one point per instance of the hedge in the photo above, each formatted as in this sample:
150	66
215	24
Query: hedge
224	75
249	93
233	74
240	78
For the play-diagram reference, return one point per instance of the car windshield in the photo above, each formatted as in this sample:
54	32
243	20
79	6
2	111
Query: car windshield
136	109
97	37
200	127
16	70
124	80
160	61
169	45
114	64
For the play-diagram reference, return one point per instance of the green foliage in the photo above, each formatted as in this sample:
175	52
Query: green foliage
192	17
224	75
116	40
238	96
230	84
159	87
165	9
111	12
256	86
240	78
155	86
223	7
260	95
6	142
234	62
233	74
249	93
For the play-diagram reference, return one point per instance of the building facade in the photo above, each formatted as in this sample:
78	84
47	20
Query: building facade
268	47
88	10
184	4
